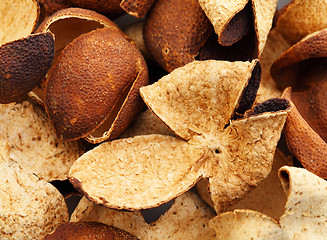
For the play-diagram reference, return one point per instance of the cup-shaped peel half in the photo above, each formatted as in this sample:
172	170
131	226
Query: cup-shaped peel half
303	67
23	64
93	89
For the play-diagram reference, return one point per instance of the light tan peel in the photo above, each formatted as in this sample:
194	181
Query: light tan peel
187	218
304	216
146	171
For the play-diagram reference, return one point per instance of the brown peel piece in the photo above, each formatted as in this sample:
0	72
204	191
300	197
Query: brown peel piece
167	20
17	19
304	142
192	95
29	208
216	154
286	70
128	177
101	81
304	216
136	8
49	7
300	18
23	65
187	218
32	141
88	231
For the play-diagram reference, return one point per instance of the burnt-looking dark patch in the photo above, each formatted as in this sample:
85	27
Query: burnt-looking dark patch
270	105
250	92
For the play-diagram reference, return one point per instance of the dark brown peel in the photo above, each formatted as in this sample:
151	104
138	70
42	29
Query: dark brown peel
23	64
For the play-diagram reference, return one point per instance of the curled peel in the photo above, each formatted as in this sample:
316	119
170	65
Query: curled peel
136	173
304	216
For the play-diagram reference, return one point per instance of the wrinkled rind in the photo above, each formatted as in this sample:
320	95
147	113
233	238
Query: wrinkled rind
187	218
250	144
136	8
32	141
110	8
137	173
18	19
49	7
193	96
29	208
246	224
74	87
89	231
300	18
23	64
304	142
164	24
305	210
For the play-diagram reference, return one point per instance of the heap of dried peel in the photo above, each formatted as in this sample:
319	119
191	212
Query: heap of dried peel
183	109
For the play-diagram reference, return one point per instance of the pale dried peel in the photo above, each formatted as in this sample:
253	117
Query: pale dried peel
187	218
199	97
17	19
246	224
29	208
146	123
221	12
247	152
304	217
275	46
124	173
32	141
269	197
301	18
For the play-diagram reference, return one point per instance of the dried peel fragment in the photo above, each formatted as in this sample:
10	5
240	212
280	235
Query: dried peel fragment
32	141
23	64
304	216
303	67
136	8
101	79
233	19
187	217
88	231
29	208
113	176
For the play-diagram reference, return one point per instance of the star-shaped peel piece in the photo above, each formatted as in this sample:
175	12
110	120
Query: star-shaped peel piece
198	102
304	216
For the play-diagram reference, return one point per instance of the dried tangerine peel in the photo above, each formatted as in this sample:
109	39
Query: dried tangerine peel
200	97
110	86
29	208
161	38
32	141
221	14
23	65
136	8
204	155
304	142
17	19
137	173
268	197
302	17
88	231
187	218
304	216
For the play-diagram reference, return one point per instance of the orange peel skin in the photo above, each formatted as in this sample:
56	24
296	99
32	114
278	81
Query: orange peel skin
23	64
136	8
